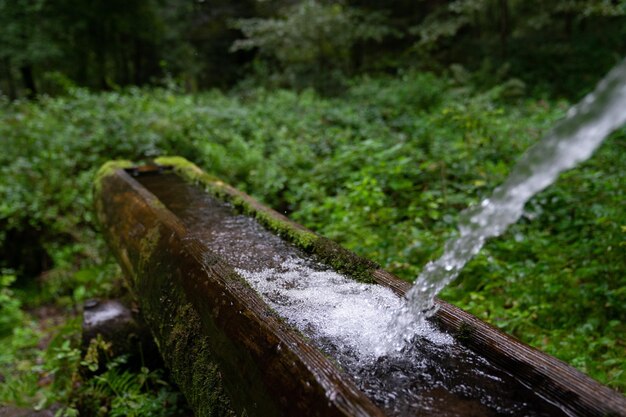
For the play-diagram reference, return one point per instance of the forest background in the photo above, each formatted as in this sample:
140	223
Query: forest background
373	123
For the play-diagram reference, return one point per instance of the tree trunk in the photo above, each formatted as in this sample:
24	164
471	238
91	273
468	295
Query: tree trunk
138	67
504	28
12	90
122	73
29	81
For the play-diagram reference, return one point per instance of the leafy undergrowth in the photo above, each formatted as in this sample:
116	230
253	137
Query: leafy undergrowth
384	170
43	366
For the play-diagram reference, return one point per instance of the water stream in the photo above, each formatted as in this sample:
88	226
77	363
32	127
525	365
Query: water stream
571	141
433	375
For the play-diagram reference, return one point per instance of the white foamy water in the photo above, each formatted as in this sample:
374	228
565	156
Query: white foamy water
571	141
327	306
428	372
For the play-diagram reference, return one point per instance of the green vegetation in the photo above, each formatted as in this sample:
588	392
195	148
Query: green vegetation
372	123
42	363
559	47
384	170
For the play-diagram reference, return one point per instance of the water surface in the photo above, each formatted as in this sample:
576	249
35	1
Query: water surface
432	374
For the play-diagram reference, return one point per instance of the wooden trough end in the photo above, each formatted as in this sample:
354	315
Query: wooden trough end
232	355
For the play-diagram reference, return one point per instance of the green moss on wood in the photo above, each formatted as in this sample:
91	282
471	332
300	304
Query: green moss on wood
300	237
175	325
109	168
188	170
147	246
343	260
191	362
239	200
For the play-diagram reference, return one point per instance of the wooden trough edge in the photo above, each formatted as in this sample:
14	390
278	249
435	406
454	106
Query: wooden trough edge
227	350
552	378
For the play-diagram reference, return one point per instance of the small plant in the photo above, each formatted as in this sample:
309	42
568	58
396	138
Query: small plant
122	392
11	314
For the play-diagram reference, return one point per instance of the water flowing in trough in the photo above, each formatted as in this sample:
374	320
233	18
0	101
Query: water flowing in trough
346	319
571	141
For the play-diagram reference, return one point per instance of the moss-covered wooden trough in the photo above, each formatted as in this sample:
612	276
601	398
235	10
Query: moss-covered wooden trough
229	351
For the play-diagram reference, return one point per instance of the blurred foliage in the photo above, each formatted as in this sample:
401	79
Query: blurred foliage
560	48
384	170
41	365
310	44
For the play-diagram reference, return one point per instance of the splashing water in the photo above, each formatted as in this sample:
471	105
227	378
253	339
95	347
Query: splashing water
329	306
571	141
347	319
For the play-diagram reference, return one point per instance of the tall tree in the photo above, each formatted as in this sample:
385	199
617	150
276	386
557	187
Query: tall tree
585	37
26	42
310	43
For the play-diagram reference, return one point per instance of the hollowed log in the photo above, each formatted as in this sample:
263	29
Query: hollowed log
231	354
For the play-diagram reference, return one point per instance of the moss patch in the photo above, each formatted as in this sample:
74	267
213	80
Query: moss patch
147	246
343	260
107	169
193	367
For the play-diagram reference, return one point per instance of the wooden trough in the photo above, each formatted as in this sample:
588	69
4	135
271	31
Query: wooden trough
232	355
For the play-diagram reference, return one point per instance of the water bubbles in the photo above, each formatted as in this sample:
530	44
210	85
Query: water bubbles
332	395
352	316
